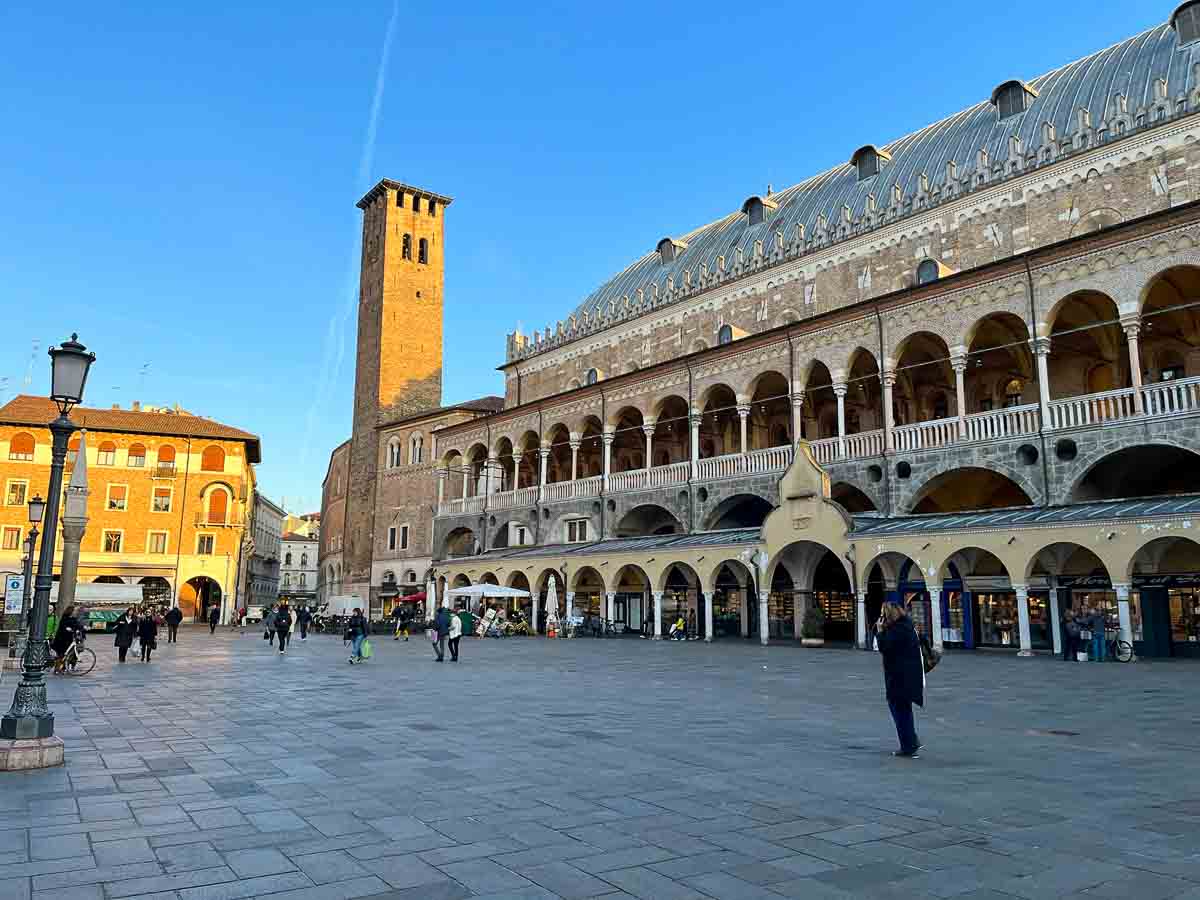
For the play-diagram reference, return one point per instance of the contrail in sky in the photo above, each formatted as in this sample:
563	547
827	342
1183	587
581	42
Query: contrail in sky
335	332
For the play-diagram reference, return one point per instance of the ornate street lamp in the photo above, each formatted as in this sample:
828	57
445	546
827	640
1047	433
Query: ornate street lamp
29	717
37	507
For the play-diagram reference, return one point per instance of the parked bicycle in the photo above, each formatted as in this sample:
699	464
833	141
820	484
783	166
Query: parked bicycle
77	660
1120	650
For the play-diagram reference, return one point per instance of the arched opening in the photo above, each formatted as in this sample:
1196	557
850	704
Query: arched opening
1088	351
520	606
1000	372
1151	470
460	580
967	490
672	433
770	423
820	404
461	542
1165	600
1066	580
591	448
108	579
738	511
558	465
732	589
884	584
629	441
720	426
106	454
680	599
1170	332
589	590
646	520
851	498
529	461
21	446
814	577
475	472
632	600
197	596
212	459
156	590
864	394
992	603
166	457
218	506
925	385
504	468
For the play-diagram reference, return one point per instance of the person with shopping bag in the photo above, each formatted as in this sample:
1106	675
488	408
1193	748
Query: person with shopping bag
455	634
358	630
441	632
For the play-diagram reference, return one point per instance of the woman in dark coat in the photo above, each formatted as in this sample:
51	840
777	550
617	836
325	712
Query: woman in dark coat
68	624
127	626
903	673
147	630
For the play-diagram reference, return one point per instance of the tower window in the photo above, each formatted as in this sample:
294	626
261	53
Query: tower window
423	251
406	248
724	335
1187	22
416	203
592	377
400	199
432	207
927	271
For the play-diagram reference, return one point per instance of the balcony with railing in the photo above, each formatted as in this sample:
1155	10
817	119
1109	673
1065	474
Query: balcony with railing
163	470
229	520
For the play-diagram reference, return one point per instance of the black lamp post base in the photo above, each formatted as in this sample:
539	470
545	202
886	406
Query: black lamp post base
27	727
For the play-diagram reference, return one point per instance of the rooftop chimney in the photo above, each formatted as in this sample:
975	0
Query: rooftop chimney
136	406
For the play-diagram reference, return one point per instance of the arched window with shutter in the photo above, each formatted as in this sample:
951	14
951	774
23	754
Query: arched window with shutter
107	454
287	559
72	449
21	446
303	560
218	506
212	459
166	456
137	455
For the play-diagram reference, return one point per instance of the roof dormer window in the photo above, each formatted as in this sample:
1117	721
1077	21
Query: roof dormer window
1187	22
1012	98
669	249
755	209
868	161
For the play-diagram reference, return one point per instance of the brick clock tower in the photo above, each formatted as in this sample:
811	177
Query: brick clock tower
398	369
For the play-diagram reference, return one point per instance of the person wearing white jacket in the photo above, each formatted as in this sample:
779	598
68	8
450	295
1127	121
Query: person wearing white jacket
456	630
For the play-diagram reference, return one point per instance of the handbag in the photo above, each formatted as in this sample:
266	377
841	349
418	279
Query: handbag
431	633
1085	634
930	655
267	635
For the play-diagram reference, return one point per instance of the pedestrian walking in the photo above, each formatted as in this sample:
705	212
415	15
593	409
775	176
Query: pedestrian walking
303	617
125	629
173	617
1070	627
455	634
903	674
283	626
441	627
147	635
214	617
269	624
357	629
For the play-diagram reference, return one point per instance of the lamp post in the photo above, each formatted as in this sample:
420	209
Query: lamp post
37	506
29	718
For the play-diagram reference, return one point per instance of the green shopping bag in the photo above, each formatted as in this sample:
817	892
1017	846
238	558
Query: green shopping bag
367	650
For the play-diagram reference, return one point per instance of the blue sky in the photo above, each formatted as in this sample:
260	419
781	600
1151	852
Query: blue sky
179	180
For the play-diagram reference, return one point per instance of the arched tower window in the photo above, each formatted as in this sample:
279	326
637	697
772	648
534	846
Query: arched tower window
868	160
1012	98
212	459
423	251
592	377
406	247
927	271
393	453
724	335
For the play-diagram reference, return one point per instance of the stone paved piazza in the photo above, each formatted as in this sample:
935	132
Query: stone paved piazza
603	768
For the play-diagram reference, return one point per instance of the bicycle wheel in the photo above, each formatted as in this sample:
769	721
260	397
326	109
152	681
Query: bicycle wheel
1123	651
84	662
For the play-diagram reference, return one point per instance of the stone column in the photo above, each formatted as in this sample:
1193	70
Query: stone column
860	621
745	612
1041	349
537	602
839	389
888	379
468	477
74	525
544	454
1123	615
959	363
935	616
1132	328
694	442
764	627
658	595
743	411
487	477
706	599
1055	616
575	443
798	607
797	416
648	431
608	437
441	477
610	604
1023	619
570	595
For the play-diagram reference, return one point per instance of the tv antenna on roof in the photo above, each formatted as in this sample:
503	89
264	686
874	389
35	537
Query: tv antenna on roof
28	382
142	373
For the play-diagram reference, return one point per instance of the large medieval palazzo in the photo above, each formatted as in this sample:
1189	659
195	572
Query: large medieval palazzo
961	369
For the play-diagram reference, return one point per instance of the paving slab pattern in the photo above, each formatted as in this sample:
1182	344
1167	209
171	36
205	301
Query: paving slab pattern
607	769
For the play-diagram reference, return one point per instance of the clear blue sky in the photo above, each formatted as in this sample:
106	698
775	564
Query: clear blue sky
179	180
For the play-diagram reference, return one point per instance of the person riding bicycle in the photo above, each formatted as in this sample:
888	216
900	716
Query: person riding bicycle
64	637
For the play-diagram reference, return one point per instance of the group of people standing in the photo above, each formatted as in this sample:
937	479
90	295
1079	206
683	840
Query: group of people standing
1083	632
448	629
144	626
279	622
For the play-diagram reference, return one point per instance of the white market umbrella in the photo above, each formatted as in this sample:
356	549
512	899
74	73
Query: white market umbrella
552	604
430	600
487	590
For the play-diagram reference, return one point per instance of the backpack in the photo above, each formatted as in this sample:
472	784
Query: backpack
930	655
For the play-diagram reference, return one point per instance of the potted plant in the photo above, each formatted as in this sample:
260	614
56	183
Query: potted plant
812	627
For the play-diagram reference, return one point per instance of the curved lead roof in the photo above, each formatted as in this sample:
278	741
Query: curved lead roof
1129	68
